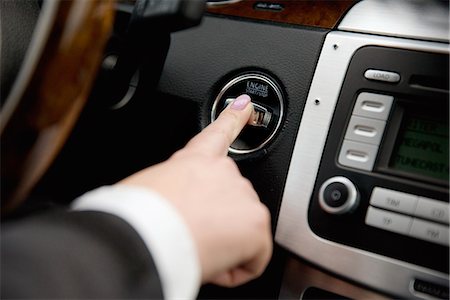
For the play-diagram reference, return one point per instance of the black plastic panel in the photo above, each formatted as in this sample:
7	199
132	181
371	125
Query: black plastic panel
202	60
350	229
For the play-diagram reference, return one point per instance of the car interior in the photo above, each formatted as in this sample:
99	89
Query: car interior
349	152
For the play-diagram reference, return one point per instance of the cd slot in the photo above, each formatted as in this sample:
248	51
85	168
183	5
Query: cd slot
429	83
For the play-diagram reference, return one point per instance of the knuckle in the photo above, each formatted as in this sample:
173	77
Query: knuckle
223	136
247	185
232	116
261	269
185	154
263	217
178	155
217	130
230	163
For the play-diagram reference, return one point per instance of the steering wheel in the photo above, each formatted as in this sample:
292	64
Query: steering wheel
50	90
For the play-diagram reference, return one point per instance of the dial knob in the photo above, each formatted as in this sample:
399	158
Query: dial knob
338	195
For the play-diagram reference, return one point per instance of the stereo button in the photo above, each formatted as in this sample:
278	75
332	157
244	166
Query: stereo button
338	195
365	130
358	155
393	200
335	194
388	220
372	105
433	210
429	231
380	75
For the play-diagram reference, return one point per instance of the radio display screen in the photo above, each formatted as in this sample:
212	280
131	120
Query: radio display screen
422	147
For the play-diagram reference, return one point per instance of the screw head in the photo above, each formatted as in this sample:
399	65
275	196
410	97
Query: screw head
317	102
335	46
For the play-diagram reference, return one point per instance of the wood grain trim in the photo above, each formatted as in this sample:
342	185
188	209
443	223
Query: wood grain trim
53	89
317	13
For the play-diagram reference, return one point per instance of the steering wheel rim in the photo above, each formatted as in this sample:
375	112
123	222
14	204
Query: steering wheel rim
50	91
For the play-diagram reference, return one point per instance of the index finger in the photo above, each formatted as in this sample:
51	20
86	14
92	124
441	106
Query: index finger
217	137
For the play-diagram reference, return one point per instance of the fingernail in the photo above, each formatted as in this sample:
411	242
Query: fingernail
241	102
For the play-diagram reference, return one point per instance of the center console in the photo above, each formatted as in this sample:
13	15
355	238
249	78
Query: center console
367	192
391	137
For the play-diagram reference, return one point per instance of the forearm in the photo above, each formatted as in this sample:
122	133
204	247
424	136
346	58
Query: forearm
75	255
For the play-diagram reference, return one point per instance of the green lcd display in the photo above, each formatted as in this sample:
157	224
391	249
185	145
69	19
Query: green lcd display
422	148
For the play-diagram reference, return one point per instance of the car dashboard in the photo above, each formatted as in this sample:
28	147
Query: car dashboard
350	154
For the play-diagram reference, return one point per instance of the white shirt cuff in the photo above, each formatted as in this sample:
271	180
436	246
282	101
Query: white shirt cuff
161	228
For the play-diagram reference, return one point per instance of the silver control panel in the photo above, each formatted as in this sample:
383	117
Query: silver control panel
413	219
402	213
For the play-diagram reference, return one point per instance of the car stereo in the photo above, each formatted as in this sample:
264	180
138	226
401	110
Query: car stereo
382	184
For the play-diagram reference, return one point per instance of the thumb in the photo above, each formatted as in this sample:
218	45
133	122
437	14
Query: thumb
220	134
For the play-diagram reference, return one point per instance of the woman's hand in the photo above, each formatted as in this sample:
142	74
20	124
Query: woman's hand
230	226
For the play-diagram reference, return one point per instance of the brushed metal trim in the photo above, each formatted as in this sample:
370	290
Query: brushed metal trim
279	96
293	232
299	276
420	19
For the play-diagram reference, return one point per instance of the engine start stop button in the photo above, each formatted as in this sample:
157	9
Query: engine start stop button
268	102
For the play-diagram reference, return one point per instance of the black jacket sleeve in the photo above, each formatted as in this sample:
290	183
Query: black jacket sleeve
75	255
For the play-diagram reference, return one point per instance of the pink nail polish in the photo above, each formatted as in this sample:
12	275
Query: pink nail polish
241	102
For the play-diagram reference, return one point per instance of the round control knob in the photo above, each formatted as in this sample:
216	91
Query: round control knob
338	195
